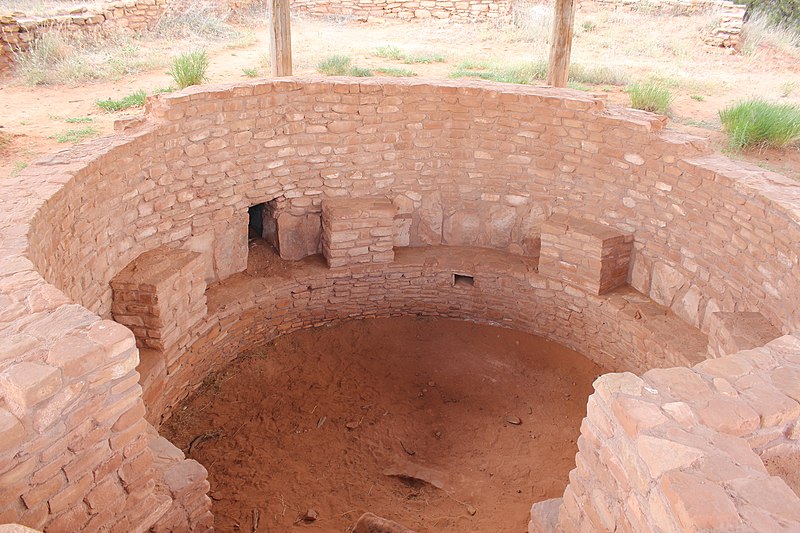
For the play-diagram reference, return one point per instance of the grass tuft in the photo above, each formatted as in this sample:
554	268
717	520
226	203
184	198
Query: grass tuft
78	120
757	123
389	51
523	73
189	68
58	57
135	99
335	65
395	72
76	135
359	72
250	72
651	96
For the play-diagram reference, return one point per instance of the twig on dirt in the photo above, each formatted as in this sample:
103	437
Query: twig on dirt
314	409
348	512
198	440
256	517
409	451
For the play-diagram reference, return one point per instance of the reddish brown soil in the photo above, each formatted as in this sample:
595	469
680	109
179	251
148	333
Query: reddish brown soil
313	420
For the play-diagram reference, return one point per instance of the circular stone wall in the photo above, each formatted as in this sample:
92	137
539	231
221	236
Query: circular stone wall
467	167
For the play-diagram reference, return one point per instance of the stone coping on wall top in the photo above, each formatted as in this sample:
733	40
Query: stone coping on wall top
569	98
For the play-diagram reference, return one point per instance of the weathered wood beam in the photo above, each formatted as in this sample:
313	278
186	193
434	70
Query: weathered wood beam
280	38
561	43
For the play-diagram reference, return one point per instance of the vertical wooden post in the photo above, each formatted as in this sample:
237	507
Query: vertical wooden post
561	43
280	38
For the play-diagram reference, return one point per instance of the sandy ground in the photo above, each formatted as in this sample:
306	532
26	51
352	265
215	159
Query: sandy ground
317	418
640	46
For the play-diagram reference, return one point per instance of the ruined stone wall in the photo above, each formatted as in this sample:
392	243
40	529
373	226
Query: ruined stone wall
457	10
468	164
726	31
18	32
702	449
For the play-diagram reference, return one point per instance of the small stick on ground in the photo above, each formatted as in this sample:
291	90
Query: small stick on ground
256	518
409	451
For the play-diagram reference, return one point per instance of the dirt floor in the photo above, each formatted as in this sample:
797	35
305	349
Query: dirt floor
704	79
318	418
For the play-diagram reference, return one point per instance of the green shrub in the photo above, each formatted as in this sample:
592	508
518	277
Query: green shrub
250	72
651	96
335	65
189	68
759	124
784	13
135	99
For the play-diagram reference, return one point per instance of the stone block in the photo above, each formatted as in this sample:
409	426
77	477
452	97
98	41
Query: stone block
298	236
26	384
586	254
358	230
729	333
160	296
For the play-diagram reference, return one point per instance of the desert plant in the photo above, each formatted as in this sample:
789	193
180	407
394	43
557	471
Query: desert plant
204	21
760	30
389	51
785	13
395	72
135	99
523	73
75	135
359	72
189	68
697	97
57	57
78	120
652	96
602	75
250	72
757	123
423	57
530	22
335	65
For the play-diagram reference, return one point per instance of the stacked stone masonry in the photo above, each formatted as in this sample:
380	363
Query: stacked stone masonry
357	230
18	31
457	10
725	32
593	256
474	171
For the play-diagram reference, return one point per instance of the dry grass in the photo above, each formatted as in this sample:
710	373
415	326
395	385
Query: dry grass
61	57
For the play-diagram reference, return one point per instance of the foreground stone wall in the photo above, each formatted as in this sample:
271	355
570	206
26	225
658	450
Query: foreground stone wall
678	449
467	164
18	32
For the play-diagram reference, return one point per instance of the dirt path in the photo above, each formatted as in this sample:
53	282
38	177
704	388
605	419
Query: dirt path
314	420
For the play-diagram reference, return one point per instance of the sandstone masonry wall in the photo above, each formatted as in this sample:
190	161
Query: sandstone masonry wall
726	32
458	10
472	165
678	449
18	32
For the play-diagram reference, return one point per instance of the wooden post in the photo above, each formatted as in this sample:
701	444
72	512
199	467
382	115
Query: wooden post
561	43
280	38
